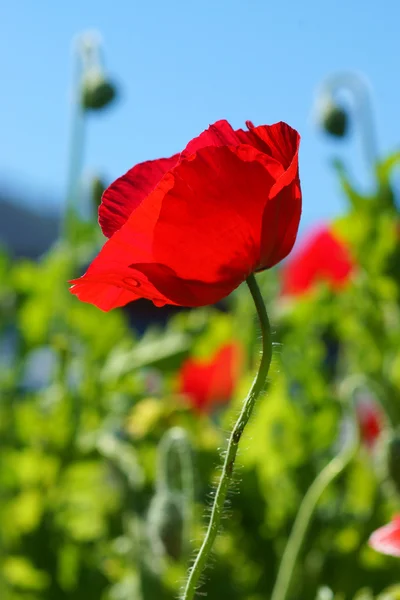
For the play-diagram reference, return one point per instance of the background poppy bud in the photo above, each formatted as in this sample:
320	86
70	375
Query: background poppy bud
393	460
166	523
334	120
97	188
170	513
97	91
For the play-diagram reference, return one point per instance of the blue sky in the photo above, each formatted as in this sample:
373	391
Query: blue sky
182	65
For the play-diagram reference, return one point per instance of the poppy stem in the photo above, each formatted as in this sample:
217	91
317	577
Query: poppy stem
76	151
311	499
230	456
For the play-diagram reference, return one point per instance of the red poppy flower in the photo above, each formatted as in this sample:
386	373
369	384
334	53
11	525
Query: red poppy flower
370	421
387	539
207	384
322	257
187	230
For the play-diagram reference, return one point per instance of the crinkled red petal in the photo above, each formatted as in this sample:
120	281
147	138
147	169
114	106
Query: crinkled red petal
123	196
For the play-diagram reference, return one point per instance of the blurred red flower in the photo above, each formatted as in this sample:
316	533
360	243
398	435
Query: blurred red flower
322	257
370	419
187	230
387	539
211	383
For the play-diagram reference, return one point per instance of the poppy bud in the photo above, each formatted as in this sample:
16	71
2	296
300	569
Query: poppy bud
334	120
166	524
393	460
97	188
175	466
172	505
97	91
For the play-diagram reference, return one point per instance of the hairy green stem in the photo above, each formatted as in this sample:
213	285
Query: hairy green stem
307	509
231	452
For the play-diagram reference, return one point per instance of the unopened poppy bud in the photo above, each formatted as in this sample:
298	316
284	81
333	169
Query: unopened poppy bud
334	120
393	460
97	188
97	91
174	494
175	467
166	524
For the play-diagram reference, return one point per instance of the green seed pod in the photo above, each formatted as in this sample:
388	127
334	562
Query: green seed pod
97	92
393	460
334	120
166	523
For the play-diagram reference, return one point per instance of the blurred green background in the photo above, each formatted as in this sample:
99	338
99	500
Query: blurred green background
112	425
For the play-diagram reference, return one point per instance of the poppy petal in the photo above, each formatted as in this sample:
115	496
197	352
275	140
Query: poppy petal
226	373
184	292
283	211
210	221
219	134
123	196
103	294
211	383
280	225
194	382
265	138
279	141
387	539
322	257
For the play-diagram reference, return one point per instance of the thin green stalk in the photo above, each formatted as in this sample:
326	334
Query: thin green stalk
231	452
74	171
76	151
307	509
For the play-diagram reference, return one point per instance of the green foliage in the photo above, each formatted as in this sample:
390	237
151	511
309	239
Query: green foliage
93	505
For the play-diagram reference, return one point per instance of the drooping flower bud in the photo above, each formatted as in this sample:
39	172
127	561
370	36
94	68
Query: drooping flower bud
166	524
334	120
97	92
97	188
175	464
96	89
170	513
335	115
